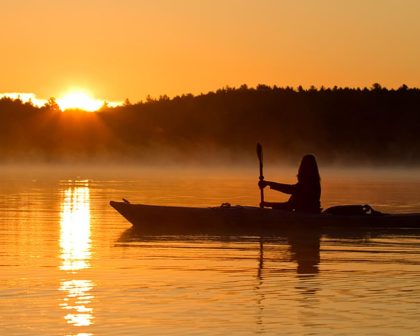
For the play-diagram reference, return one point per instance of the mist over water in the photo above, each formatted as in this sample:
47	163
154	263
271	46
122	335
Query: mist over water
387	189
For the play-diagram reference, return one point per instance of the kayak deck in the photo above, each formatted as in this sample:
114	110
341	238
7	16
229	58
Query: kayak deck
154	219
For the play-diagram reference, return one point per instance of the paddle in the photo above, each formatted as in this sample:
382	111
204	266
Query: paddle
260	158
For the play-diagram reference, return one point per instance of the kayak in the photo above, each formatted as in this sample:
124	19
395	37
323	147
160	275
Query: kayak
247	220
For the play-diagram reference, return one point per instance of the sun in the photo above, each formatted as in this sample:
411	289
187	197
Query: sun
81	100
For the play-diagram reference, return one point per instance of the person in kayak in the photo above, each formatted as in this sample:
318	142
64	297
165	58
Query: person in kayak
305	194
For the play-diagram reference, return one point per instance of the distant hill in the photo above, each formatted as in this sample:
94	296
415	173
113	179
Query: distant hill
373	125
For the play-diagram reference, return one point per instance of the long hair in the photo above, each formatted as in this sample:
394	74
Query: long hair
308	170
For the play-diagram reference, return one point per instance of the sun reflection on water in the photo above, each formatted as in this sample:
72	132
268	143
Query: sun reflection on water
78	293
75	228
75	254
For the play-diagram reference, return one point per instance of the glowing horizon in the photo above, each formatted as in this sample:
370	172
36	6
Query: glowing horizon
25	98
73	99
82	99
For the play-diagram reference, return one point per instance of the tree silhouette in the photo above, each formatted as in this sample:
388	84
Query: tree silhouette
52	104
358	125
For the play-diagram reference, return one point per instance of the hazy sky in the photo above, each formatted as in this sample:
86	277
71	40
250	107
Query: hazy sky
131	48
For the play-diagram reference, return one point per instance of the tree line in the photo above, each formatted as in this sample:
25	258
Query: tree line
358	125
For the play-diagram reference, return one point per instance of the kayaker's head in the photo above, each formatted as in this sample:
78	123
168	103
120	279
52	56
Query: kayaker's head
308	170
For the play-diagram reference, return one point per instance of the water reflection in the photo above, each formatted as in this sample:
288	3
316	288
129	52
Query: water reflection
258	288
305	250
304	246
76	301
266	269
75	228
75	253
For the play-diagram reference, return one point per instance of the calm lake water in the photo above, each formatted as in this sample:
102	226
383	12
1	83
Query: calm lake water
70	265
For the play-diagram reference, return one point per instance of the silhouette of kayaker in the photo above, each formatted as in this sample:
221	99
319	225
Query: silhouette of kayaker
305	194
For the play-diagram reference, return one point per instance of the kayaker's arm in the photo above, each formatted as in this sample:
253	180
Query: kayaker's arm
284	188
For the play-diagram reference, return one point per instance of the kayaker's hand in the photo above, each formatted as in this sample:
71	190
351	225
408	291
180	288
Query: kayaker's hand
262	184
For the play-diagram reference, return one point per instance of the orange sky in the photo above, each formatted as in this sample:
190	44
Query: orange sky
131	48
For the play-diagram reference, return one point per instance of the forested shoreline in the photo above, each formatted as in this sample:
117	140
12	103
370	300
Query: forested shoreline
361	126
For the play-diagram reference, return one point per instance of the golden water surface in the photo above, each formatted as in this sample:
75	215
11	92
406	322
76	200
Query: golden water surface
70	265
